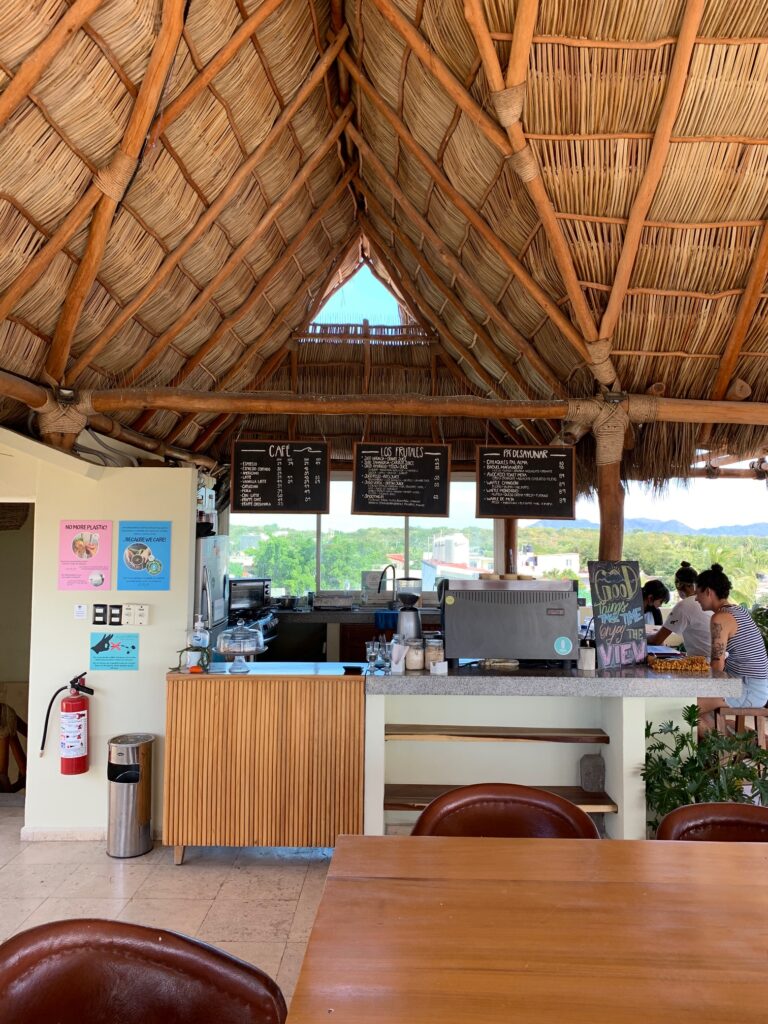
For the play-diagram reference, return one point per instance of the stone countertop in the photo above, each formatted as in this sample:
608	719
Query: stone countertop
631	682
362	615
277	668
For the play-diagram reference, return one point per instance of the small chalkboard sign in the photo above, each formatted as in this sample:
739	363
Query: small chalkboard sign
525	483
279	476
401	479
617	606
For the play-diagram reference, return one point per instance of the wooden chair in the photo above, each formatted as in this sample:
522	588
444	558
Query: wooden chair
732	720
503	810
11	726
88	971
716	823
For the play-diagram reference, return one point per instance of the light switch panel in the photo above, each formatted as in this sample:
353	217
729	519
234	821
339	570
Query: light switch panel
99	615
115	615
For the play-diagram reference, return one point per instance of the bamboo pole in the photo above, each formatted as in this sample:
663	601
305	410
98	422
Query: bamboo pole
548	305
242	250
525	20
610	499
647	189
37	63
447	257
216	64
144	108
21	390
208	217
746	310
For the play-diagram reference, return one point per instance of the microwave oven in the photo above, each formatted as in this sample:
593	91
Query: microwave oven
248	597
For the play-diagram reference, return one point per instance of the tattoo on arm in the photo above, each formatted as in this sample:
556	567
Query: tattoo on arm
718	641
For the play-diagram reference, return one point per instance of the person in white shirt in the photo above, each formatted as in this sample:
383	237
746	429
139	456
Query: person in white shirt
687	617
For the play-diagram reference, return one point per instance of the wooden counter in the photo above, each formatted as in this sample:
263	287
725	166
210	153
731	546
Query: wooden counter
263	759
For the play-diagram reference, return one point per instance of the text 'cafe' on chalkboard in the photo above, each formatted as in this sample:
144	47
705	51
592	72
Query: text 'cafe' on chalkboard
526	483
278	476
401	479
617	607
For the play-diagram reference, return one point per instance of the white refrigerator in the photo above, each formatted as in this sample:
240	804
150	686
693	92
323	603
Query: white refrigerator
212	579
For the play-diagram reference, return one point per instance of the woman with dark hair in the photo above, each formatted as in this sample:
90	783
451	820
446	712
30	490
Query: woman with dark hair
655	594
737	644
687	618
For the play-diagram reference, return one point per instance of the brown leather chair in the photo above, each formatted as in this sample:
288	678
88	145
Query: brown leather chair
716	823
88	971
505	811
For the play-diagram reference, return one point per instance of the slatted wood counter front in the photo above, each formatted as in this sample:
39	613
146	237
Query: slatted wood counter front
262	760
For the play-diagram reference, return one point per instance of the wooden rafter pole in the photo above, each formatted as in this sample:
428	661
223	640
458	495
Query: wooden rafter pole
610	498
337	23
454	353
111	428
547	303
144	108
37	63
524	160
450	295
447	257
455	349
240	253
746	309
206	219
216	64
660	148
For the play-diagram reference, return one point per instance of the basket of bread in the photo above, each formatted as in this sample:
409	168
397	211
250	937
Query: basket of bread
689	663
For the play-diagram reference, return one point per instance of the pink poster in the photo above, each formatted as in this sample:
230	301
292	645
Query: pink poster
85	555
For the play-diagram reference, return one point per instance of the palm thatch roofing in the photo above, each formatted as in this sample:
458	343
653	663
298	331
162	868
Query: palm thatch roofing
567	199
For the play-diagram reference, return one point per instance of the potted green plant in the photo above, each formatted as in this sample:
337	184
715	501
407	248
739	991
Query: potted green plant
680	770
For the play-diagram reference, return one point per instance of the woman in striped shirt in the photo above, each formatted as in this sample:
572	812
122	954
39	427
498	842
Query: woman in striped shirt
737	644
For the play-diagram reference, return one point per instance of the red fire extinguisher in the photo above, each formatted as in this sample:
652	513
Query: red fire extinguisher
73	726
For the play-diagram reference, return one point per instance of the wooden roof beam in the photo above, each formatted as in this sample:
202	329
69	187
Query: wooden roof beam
37	63
660	148
241	252
208	217
547	303
524	161
114	187
447	257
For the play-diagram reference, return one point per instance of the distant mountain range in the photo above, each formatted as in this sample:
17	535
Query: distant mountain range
661	526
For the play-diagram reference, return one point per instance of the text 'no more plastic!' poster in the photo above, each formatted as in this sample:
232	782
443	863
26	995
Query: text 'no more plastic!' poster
144	556
85	554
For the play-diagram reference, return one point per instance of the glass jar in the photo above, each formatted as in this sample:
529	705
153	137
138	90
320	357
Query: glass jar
433	651
240	640
414	655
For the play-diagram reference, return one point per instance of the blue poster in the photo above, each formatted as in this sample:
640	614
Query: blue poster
144	556
114	652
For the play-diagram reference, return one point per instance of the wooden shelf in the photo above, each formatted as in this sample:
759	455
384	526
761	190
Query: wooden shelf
493	734
415	797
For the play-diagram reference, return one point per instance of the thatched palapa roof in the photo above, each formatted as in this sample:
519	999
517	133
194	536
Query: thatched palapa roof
567	199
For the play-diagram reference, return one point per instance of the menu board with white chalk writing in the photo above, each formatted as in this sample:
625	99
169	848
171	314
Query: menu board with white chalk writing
525	483
279	476
401	479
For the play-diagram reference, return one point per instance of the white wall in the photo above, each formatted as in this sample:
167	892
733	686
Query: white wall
63	487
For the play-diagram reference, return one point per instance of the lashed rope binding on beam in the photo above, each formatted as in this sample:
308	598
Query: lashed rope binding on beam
508	104
57	417
114	179
524	164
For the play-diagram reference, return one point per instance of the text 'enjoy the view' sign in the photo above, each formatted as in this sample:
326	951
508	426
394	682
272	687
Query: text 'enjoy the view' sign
617	606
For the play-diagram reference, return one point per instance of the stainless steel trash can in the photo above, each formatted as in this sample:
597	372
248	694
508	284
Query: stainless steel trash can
129	771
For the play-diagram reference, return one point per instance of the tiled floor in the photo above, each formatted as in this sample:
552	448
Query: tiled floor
258	904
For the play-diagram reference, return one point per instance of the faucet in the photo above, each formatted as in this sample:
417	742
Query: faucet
383	577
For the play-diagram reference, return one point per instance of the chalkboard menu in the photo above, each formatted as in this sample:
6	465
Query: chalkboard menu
617	605
278	476
526	483
401	479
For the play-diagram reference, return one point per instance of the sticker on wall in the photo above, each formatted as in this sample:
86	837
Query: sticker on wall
144	556
85	554
114	652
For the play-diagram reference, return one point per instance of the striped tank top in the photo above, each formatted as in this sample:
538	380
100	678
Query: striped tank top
746	649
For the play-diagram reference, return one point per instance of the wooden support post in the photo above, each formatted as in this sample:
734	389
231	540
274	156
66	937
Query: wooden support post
510	545
610	498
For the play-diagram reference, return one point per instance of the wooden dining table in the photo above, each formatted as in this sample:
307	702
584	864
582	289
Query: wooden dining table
427	930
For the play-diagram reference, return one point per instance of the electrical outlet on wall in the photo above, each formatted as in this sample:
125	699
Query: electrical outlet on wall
142	614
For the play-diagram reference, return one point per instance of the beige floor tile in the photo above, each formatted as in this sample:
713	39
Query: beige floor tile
265	955
33	879
14	913
201	881
248	921
117	879
9	849
303	919
255	881
183	916
290	966
55	852
60	909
